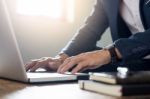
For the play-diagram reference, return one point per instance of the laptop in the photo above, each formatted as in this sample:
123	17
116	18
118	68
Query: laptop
11	62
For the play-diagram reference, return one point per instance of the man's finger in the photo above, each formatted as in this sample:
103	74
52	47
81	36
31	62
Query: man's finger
79	67
29	65
67	66
38	65
65	63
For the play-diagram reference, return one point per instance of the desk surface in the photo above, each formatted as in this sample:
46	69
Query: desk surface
16	90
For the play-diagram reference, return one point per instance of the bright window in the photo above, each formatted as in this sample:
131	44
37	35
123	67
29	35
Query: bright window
50	8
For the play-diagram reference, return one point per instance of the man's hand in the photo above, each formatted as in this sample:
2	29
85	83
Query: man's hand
48	63
89	60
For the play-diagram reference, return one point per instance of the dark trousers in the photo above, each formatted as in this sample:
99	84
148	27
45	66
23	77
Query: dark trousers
138	65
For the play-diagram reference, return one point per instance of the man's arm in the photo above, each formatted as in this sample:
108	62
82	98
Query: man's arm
135	47
86	38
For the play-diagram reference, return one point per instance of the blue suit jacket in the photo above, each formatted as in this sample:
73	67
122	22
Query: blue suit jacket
106	14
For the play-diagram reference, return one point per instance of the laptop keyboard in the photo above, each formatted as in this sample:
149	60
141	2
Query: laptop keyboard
41	75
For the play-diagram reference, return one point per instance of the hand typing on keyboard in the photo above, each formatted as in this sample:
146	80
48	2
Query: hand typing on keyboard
48	63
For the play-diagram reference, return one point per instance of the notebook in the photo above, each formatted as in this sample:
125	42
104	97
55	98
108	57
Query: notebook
118	90
11	62
135	77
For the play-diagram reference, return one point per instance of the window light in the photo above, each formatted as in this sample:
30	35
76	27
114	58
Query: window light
51	8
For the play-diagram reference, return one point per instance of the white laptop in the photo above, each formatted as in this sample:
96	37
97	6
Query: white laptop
11	63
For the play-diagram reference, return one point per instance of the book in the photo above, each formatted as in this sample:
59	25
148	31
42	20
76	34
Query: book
115	90
137	77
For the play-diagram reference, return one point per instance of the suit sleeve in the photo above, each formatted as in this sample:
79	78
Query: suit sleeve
87	36
135	47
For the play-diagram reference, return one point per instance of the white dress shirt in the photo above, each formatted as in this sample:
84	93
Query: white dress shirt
130	12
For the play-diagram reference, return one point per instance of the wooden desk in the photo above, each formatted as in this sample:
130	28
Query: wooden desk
16	90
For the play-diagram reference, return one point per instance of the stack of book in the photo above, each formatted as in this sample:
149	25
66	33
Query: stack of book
118	84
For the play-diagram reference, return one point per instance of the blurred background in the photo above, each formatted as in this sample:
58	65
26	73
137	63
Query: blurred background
43	27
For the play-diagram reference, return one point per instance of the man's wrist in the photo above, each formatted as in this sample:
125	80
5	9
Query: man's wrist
113	54
107	55
118	53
